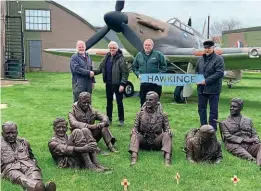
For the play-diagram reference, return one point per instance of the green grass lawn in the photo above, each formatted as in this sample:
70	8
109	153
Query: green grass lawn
34	107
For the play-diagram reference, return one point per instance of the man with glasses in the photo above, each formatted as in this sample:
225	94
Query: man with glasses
211	66
115	75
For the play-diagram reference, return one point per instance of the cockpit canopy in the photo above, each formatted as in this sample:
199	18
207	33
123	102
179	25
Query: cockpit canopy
177	23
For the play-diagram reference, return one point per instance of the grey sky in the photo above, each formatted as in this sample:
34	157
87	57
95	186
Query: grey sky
247	12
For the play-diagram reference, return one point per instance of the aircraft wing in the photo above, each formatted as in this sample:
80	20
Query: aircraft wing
96	54
235	58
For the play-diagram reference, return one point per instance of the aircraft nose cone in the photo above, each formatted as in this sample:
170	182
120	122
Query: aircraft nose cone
114	20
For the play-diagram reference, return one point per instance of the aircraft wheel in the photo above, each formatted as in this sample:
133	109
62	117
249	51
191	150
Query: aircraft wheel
178	94
129	89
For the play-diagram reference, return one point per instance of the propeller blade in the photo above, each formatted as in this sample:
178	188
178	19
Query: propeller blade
189	22
97	37
132	37
119	5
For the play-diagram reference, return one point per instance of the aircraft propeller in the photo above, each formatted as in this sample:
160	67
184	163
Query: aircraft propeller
119	5
118	22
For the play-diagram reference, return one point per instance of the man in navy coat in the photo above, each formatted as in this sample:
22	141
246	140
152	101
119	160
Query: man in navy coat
211	66
82	71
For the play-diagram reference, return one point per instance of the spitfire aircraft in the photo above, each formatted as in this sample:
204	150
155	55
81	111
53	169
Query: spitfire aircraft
179	42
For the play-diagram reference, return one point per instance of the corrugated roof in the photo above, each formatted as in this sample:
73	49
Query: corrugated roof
258	28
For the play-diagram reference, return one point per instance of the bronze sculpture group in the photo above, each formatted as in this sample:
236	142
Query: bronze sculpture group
151	131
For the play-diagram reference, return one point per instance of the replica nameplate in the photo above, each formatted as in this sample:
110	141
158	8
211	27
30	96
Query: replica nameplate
171	79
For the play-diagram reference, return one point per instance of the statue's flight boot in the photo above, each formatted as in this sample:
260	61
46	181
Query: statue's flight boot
134	157
97	163
167	159
50	186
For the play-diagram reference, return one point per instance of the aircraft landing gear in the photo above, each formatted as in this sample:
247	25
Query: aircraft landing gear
128	89
178	94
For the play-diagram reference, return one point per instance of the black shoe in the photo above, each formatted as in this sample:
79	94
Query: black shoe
121	123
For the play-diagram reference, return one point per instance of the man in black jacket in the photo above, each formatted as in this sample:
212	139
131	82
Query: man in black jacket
211	66
115	75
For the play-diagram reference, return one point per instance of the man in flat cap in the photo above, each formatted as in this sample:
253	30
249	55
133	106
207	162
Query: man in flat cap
201	145
239	135
151	130
18	163
211	66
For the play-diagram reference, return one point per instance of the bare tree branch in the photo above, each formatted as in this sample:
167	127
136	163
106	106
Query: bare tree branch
217	27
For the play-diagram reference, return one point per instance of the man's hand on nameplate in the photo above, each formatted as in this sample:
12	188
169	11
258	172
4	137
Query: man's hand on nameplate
202	83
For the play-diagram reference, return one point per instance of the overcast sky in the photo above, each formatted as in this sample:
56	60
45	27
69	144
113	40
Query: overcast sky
247	12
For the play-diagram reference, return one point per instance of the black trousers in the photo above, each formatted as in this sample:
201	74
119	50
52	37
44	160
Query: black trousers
145	88
110	90
203	100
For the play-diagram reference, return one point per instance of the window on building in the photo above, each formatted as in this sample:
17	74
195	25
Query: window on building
39	20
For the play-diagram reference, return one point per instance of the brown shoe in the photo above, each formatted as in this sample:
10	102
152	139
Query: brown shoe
50	186
88	164
111	148
39	186
104	168
96	169
97	163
